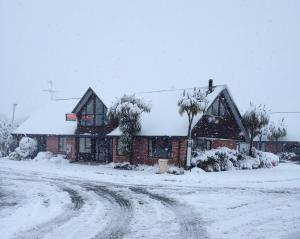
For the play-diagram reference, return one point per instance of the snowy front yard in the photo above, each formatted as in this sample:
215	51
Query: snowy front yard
54	200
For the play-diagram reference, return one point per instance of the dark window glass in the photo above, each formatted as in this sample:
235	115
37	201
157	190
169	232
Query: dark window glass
94	115
90	107
202	144
120	147
85	145
62	144
160	147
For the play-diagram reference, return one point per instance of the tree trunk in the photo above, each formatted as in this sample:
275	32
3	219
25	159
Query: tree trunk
189	146
251	143
130	159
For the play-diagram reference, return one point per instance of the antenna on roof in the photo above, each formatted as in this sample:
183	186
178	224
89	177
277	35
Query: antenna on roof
51	90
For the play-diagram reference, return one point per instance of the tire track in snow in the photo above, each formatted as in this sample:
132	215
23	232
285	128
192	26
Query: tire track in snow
41	230
120	212
190	223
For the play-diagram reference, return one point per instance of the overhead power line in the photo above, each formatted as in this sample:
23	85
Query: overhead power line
285	112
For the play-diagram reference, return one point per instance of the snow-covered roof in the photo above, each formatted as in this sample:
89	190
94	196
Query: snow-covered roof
164	118
292	123
50	120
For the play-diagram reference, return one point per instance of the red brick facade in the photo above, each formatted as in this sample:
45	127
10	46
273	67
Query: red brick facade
274	147
52	145
141	152
223	143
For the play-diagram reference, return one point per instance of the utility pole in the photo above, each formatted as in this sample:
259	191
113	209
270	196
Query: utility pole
51	90
13	114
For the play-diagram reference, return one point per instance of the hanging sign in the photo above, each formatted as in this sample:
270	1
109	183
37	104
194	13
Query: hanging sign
71	117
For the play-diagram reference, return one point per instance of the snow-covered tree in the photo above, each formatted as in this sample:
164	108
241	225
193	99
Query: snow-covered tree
127	111
276	131
191	104
254	119
262	134
5	136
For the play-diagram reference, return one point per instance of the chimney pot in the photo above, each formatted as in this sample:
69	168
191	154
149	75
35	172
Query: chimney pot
210	85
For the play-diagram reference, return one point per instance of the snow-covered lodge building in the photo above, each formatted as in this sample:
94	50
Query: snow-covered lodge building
81	130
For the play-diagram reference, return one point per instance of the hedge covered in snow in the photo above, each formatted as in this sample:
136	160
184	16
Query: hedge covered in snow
225	159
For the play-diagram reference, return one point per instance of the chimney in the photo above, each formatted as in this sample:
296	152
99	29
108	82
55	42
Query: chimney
210	86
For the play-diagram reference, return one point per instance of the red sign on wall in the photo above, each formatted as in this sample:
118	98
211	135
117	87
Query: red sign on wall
71	117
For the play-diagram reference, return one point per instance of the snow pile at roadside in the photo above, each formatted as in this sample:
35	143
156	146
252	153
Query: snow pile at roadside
49	158
225	159
128	166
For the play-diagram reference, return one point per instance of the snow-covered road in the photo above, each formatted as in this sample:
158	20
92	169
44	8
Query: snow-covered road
79	201
34	206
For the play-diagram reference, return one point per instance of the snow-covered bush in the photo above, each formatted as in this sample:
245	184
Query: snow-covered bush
42	156
287	156
175	170
124	166
27	149
225	159
221	159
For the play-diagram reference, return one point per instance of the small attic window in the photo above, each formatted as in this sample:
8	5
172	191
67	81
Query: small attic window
218	108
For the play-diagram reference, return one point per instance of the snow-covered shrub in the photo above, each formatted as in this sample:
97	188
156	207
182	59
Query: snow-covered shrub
287	156
42	156
124	166
175	170
15	156
221	159
197	170
224	159
27	149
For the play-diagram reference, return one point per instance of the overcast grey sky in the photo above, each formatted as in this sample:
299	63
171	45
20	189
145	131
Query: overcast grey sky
252	46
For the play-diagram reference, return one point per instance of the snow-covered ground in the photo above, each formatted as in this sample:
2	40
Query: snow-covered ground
58	200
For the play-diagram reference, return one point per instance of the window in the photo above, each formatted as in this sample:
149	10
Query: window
160	147
120	147
94	113
62	144
218	108
85	145
202	144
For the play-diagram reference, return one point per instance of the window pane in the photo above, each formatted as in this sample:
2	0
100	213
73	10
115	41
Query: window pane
62	144
88	145
119	147
99	120
82	145
160	147
99	107
90	106
85	145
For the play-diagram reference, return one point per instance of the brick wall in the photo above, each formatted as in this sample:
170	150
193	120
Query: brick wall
72	141
140	145
224	143
52	145
273	147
